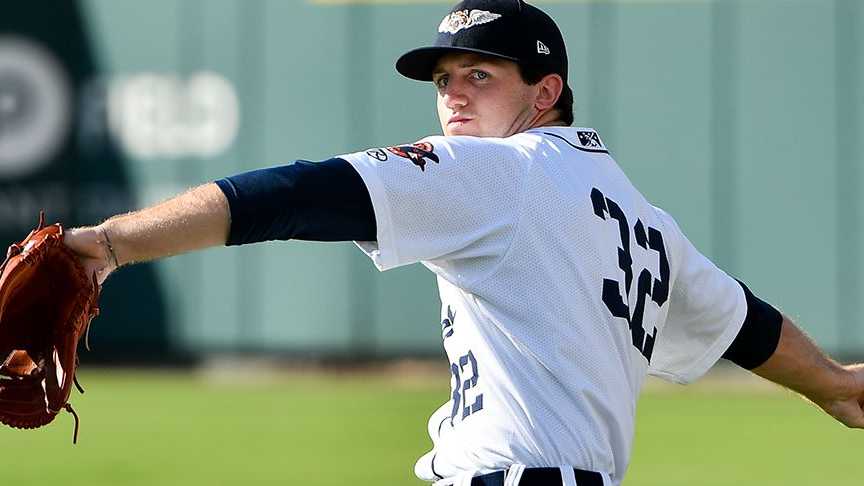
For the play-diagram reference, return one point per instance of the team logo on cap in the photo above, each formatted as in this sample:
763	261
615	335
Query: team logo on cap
464	19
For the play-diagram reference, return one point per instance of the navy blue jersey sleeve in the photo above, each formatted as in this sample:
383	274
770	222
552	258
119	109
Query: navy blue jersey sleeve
759	335
323	201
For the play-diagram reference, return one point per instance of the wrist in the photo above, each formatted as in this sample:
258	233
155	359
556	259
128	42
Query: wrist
854	380
843	384
108	249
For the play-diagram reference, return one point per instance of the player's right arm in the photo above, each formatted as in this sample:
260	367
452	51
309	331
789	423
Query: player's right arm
800	365
766	342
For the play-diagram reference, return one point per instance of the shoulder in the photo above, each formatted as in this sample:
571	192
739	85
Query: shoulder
467	153
439	154
465	145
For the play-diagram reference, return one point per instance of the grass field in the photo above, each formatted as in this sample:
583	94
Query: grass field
160	428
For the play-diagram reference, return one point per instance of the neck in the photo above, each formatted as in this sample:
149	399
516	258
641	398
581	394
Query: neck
548	118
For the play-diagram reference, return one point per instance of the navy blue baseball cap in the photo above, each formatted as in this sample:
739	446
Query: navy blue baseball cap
508	29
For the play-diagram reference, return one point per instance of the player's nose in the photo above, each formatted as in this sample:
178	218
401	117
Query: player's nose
455	94
455	99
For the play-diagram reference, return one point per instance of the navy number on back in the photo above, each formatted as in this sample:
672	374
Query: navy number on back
646	285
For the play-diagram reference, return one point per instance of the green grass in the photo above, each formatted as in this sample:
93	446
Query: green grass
736	437
173	429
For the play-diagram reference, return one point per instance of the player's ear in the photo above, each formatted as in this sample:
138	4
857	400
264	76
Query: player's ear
548	91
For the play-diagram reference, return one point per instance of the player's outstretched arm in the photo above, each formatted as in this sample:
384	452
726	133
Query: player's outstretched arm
196	219
800	365
324	201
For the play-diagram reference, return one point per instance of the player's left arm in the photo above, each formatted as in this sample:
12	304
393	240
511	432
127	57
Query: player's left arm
798	363
770	345
324	201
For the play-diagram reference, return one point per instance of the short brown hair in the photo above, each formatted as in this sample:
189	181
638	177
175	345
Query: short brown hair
532	75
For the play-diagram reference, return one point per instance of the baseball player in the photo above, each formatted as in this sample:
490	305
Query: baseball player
561	286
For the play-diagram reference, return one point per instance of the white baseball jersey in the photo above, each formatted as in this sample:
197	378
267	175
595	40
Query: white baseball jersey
561	289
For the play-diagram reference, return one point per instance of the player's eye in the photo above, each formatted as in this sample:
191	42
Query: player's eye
480	75
440	81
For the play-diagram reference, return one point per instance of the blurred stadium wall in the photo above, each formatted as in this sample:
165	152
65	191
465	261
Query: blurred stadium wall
741	118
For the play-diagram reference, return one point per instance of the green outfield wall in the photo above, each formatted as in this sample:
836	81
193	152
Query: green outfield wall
741	118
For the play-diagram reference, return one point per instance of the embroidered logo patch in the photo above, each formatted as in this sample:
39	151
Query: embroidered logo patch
542	49
417	153
590	139
377	154
464	19
447	323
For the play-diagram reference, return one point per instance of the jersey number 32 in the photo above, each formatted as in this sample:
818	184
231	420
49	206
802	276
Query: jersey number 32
650	239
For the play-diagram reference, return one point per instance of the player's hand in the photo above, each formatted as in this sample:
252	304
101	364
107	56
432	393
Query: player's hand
848	406
88	244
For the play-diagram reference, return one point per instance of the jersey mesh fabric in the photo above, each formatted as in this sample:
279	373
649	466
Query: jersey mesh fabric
524	234
476	210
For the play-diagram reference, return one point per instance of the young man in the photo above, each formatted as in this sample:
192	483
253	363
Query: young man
561	286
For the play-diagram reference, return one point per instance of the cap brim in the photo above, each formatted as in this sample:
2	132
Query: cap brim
419	63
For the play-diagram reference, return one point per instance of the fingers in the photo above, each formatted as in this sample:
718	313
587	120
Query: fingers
82	241
102	271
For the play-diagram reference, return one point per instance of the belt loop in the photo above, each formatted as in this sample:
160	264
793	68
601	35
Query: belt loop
514	475
606	478
568	476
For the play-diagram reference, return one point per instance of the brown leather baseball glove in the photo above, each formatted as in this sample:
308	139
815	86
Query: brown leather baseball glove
47	302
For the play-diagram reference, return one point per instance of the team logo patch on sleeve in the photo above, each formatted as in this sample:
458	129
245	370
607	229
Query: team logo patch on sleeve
417	153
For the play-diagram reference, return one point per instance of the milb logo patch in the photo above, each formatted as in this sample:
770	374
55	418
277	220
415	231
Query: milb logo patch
589	140
417	153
